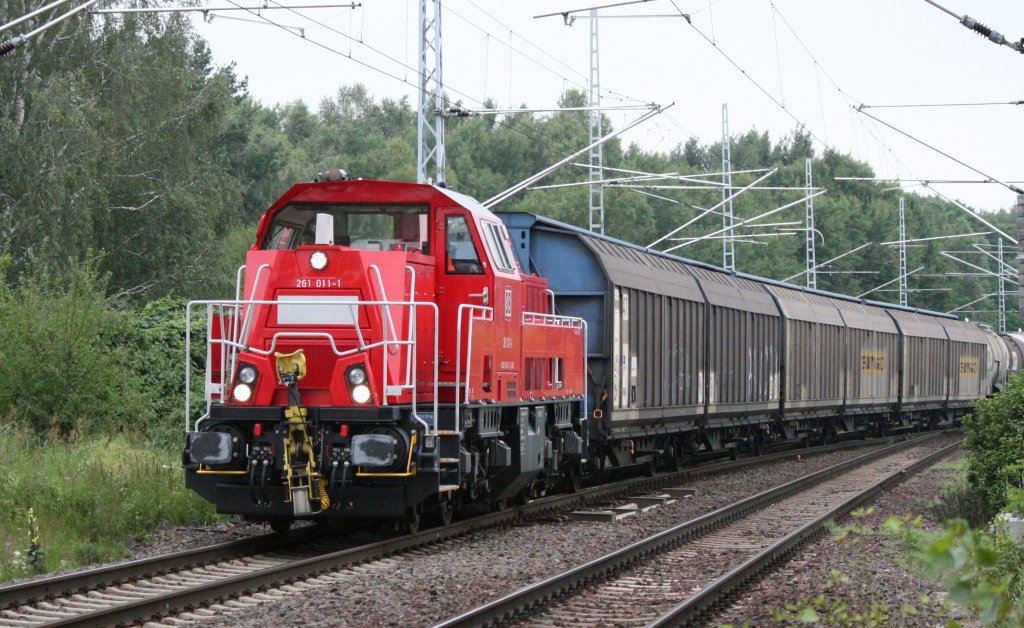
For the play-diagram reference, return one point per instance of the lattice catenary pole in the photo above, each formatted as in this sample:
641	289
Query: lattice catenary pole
812	277
430	127
903	254
728	242
596	132
1002	290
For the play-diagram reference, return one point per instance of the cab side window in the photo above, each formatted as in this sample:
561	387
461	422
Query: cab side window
463	258
500	253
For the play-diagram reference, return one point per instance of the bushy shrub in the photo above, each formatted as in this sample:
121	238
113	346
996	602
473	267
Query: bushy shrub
982	571
156	341
995	441
61	372
959	500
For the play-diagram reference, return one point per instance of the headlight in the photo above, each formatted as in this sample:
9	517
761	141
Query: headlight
356	376
361	394
243	393
318	260
247	375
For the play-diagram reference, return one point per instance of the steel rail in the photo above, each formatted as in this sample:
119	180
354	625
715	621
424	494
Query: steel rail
507	607
30	592
715	593
22	593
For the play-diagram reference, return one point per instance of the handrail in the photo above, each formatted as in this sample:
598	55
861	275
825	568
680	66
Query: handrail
388	324
247	325
551	293
239	343
555	320
489	315
384	308
238	281
410	375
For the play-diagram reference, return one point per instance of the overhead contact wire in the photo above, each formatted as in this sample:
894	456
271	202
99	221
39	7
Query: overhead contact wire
764	91
533	136
1009	186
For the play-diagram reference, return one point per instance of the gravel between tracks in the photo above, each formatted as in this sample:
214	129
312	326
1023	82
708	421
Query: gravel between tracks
873	569
437	582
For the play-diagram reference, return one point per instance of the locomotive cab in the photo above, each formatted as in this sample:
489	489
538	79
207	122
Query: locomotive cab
384	356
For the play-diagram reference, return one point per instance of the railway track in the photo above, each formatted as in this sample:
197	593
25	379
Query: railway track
166	585
664	581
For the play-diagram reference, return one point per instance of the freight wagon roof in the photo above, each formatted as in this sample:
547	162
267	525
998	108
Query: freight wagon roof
635	268
631	277
964	332
861	316
807	306
918	325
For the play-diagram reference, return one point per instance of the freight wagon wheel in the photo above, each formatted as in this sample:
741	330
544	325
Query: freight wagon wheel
651	467
572	477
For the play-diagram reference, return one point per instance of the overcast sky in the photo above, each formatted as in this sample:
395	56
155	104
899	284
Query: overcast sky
878	52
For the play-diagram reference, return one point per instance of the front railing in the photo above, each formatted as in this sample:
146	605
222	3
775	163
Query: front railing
235	319
472	314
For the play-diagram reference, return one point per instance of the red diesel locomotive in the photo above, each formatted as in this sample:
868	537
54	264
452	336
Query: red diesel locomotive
385	356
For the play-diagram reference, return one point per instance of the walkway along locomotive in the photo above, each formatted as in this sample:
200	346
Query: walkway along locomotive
395	350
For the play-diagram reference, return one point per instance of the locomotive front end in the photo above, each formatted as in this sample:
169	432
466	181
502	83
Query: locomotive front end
385	357
319	381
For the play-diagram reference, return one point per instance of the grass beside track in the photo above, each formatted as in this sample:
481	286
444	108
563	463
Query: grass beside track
90	499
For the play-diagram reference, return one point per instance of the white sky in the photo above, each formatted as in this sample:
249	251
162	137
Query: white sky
877	51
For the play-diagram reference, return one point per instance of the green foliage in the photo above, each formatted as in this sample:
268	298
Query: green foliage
110	128
859	605
983	572
994	439
131	491
155	340
959	500
830	611
61	372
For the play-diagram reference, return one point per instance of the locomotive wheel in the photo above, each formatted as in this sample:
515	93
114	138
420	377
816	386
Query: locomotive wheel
280	526
528	494
411	523
499	504
441	511
445	511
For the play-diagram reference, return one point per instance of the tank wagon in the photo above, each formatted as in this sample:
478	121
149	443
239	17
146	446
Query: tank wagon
396	350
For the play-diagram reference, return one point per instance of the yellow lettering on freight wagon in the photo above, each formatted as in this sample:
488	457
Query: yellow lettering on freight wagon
968	366
872	362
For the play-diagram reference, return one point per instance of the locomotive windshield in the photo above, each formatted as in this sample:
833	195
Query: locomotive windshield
367	227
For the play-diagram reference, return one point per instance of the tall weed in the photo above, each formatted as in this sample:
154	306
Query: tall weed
90	498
